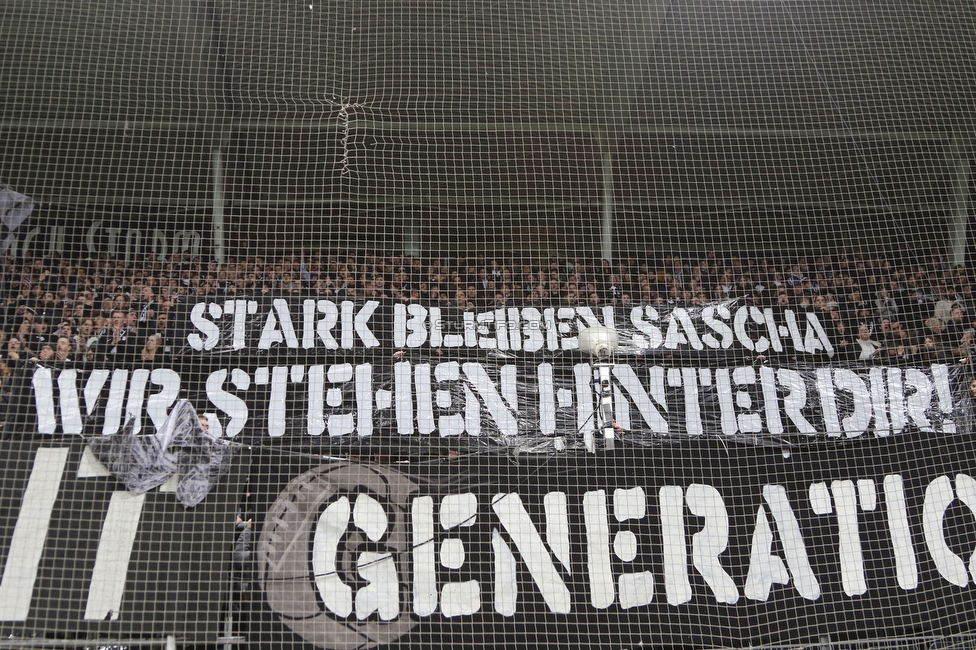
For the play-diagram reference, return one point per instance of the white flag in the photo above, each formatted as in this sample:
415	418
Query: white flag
14	209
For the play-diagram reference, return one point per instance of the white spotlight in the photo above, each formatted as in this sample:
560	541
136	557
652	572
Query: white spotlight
599	341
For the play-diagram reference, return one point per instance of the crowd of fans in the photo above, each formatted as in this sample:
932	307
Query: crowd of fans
108	310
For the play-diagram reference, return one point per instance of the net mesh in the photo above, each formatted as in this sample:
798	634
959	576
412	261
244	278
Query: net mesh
364	240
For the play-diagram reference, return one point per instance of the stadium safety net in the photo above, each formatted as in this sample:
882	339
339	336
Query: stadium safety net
408	323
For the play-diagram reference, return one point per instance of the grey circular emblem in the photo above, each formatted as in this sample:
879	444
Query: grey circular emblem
284	556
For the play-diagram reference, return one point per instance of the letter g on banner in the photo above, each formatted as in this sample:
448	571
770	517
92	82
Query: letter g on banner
332	556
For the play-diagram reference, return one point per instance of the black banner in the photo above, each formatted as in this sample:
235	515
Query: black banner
123	237
687	543
294	323
522	403
83	558
701	543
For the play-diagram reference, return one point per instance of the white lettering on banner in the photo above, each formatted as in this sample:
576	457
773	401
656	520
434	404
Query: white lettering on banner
133	244
454	399
677	584
517	523
30	532
966	491
381	593
156	407
515	540
137	393
938	498
93	389
112	557
276	401
458	598
711	541
515	329
409	329
906	567
643	399
794	399
557	528
426	424
424	572
51	241
115	544
846	497
717	325
208	327
116	398
598	549
279	327
650	336
44	397
122	243
169	390
71	420
332	524
378	569
765	568
240	309
792	540
602	526
506	576
940	376
232	405
34	520
636	589
681	331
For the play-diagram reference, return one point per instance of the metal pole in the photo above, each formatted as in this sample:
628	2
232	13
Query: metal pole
606	224
411	240
218	205
960	212
229	621
606	403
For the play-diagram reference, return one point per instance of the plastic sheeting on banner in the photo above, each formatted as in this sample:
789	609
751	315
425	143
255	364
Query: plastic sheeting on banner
180	448
529	405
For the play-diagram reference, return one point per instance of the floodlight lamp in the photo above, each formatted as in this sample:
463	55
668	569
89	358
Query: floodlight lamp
599	341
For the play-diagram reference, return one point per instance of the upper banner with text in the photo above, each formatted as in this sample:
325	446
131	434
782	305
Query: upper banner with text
294	323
